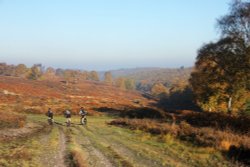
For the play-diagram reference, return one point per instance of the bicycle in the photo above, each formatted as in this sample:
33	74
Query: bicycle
50	121
68	122
83	120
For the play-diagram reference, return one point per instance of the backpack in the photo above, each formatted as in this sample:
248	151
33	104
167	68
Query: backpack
67	113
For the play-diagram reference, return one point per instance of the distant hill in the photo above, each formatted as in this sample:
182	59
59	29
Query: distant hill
150	76
132	71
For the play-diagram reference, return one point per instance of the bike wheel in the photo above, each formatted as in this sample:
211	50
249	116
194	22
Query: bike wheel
82	121
68	122
50	122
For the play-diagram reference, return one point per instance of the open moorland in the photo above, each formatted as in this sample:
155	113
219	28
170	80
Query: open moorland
124	129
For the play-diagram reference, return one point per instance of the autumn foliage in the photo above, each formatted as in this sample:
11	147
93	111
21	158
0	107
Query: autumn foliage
221	77
11	120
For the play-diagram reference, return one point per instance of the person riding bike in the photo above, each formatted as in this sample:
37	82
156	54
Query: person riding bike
67	115
83	114
50	116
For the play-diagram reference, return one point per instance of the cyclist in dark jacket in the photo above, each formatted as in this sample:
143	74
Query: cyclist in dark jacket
83	114
50	113
67	115
50	116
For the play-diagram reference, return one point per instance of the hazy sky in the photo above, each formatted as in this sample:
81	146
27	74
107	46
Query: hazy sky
107	34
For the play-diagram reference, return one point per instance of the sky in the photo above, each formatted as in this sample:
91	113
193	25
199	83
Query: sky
107	34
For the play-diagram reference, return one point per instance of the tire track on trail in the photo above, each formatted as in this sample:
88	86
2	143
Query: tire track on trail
53	154
93	155
45	147
127	156
62	148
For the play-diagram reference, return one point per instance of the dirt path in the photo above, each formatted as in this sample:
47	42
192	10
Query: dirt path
94	156
102	146
62	148
118	151
54	146
95	145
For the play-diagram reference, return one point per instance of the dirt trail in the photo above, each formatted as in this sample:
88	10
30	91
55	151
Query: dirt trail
53	155
95	145
95	157
124	154
62	148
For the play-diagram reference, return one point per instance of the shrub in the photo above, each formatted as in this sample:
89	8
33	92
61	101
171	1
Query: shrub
144	112
238	124
11	120
204	136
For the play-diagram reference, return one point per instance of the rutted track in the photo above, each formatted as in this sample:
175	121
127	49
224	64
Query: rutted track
37	146
94	156
54	146
94	145
117	152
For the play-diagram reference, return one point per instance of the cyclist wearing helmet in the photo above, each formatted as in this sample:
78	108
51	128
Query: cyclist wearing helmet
50	116
83	114
67	115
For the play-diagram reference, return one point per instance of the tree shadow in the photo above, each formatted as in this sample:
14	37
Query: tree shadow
178	100
135	112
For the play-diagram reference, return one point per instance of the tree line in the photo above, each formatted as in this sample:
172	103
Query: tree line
39	72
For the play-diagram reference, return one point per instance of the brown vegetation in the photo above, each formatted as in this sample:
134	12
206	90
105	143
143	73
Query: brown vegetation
32	96
222	121
224	140
220	80
11	120
76	159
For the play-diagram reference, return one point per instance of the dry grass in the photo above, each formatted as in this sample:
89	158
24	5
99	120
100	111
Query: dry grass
225	140
38	96
77	158
11	120
75	155
222	121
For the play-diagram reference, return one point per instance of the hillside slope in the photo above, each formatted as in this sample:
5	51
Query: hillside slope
37	96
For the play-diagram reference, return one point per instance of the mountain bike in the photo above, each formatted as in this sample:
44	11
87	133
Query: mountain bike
83	120
50	121
68	122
